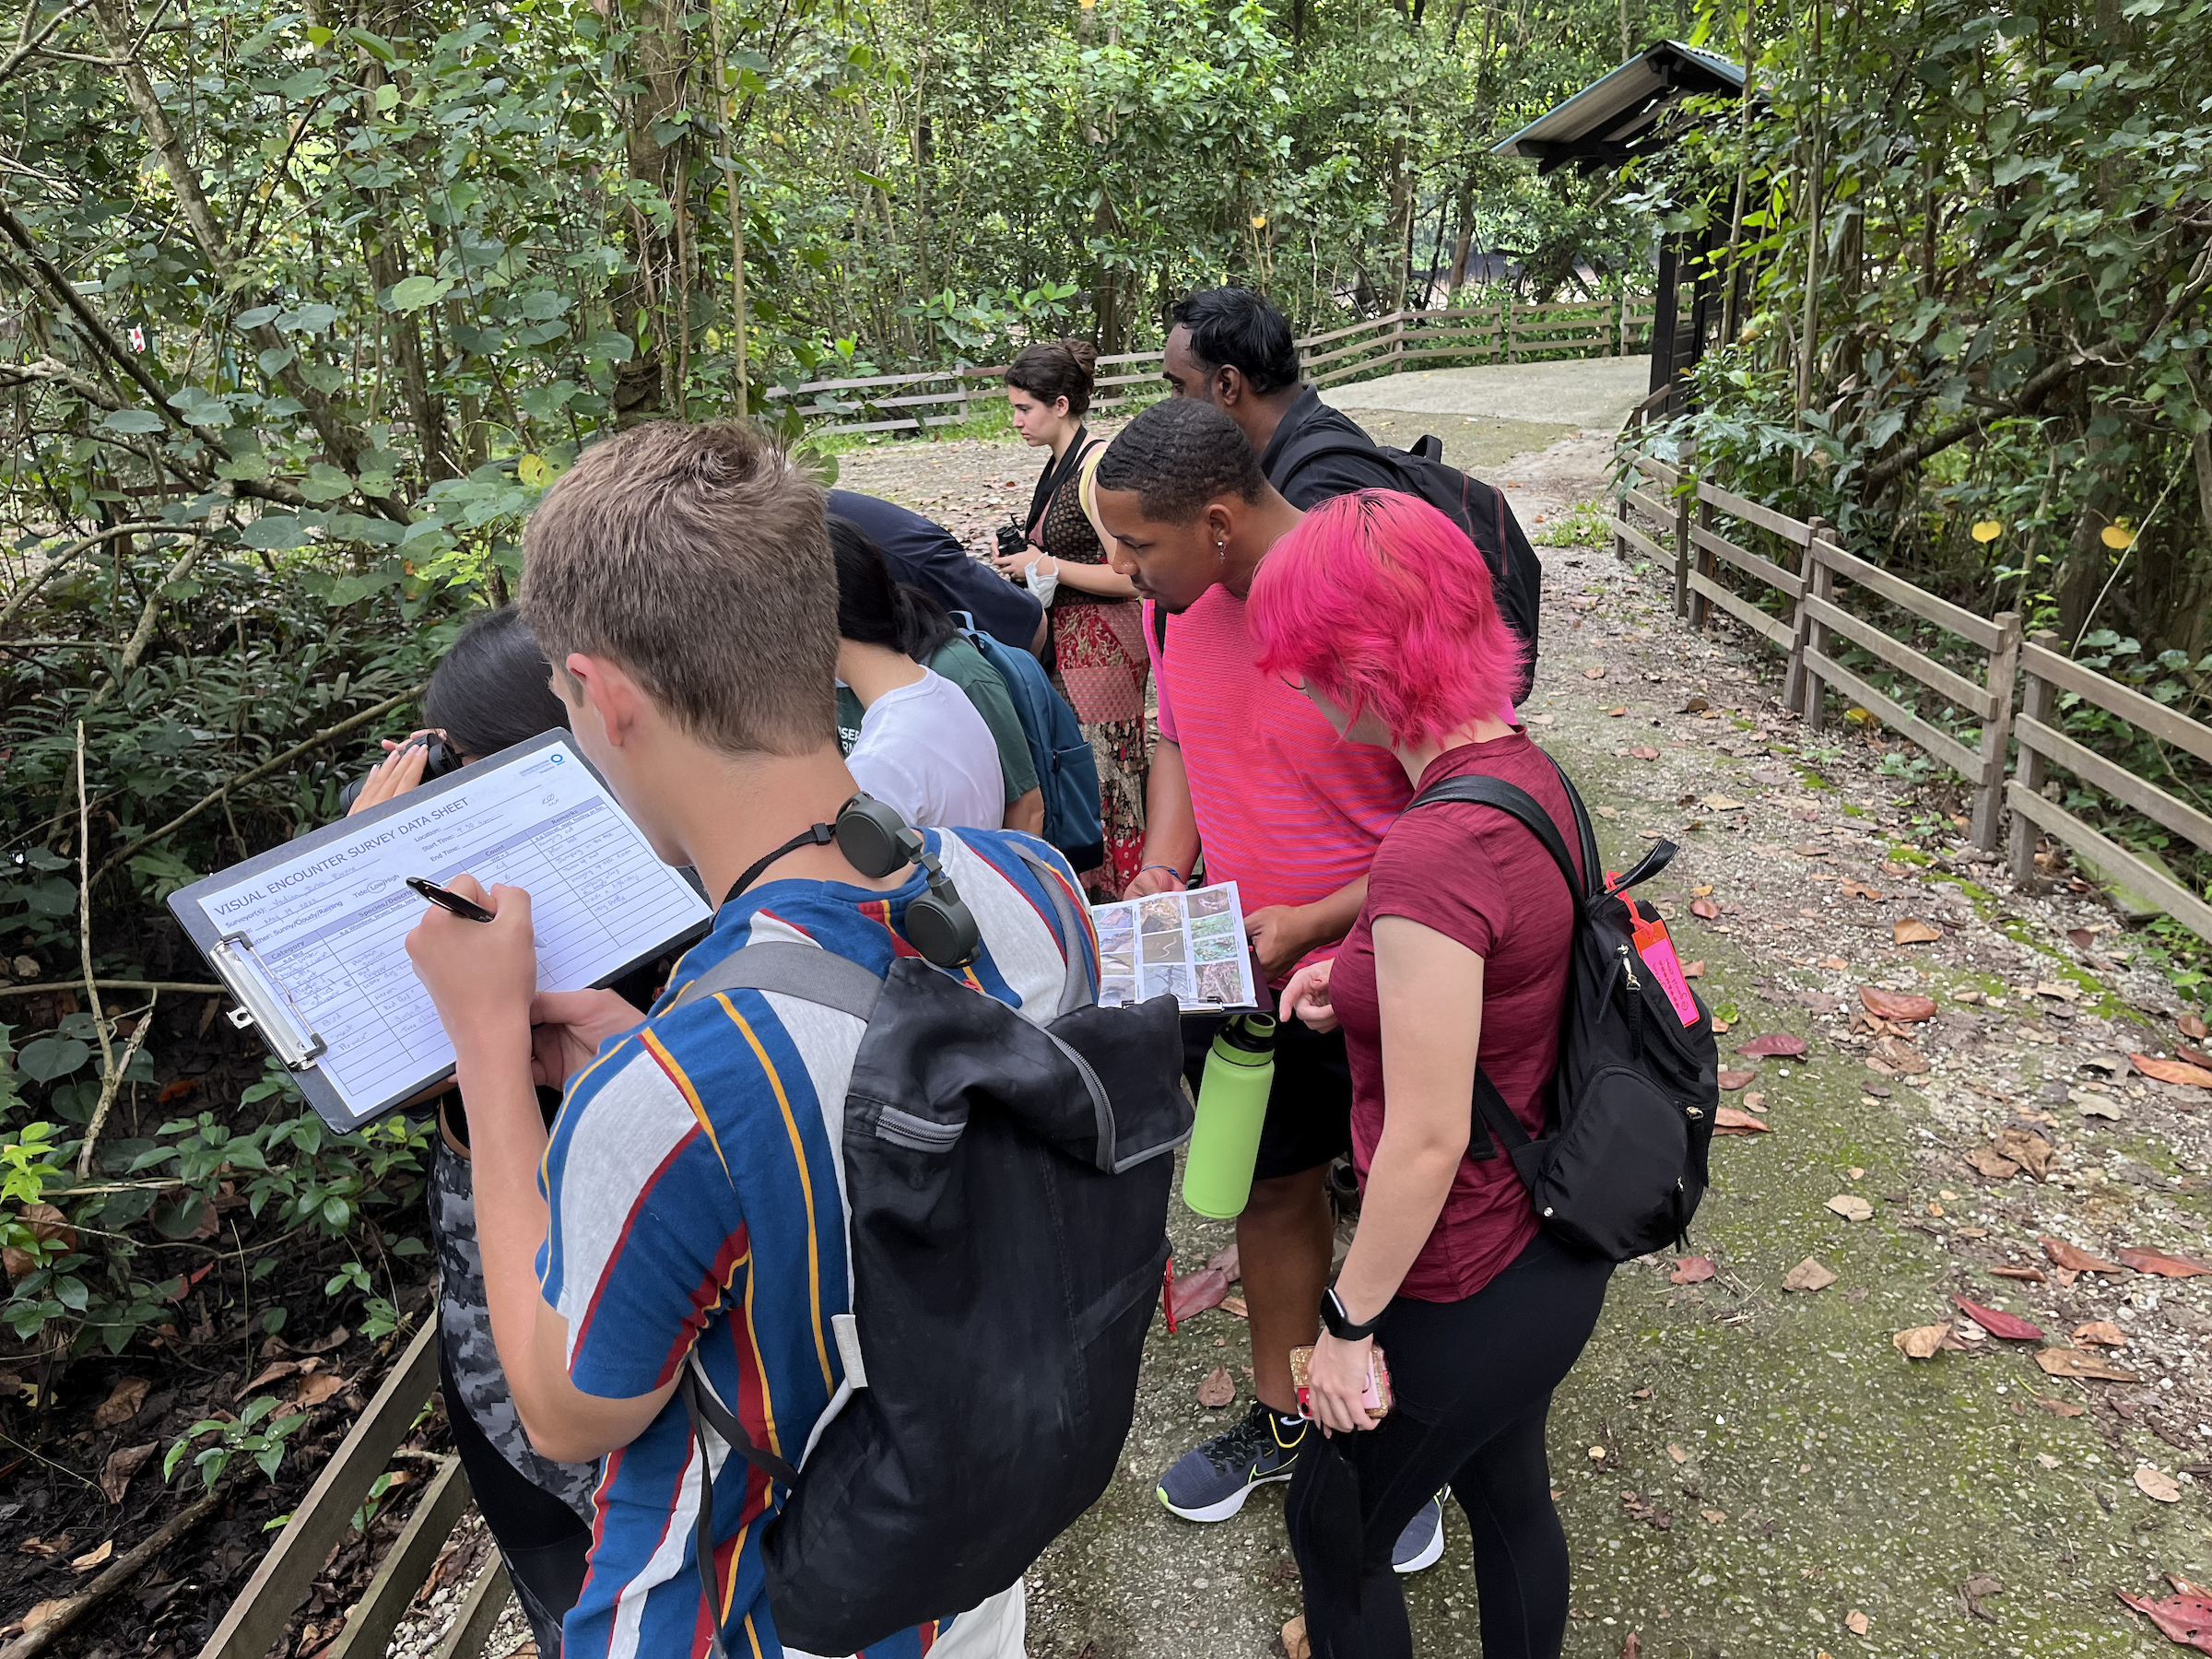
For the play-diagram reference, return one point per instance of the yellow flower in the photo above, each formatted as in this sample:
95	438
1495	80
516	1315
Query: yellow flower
1259	221
1988	530
2118	535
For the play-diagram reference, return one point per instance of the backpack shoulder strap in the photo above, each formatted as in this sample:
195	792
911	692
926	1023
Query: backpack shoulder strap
1303	452
1480	791
1075	989
806	971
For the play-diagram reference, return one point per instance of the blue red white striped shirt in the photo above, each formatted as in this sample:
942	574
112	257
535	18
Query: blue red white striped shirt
694	1181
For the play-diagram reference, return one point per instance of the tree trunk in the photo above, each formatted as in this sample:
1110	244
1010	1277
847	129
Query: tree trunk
644	306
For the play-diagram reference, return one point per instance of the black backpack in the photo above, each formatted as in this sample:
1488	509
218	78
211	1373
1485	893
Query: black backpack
1479	509
1621	1164
1006	1185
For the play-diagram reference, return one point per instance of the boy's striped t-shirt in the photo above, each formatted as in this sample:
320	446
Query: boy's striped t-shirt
694	1180
1286	809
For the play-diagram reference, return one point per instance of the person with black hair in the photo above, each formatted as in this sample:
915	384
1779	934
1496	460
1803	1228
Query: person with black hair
1229	348
1247	766
1097	649
489	692
923	749
924	554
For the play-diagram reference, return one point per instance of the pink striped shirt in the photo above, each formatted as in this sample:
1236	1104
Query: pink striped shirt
1286	809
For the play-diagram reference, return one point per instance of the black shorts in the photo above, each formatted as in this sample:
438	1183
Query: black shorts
1309	1104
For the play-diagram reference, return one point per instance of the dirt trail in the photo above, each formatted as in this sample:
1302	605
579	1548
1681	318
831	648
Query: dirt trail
1745	1470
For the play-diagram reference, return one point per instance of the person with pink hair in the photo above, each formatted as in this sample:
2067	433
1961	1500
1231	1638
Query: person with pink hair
1381	611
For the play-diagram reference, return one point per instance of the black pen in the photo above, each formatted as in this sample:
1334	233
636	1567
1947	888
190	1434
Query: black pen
468	909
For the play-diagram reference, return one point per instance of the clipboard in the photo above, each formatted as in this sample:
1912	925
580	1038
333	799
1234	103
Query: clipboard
307	936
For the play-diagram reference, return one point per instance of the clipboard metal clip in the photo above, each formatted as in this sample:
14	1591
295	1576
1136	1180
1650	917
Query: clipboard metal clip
264	1004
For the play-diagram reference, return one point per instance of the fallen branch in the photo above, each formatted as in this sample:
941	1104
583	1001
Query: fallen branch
352	722
83	908
143	635
171	985
22	596
112	1083
71	1612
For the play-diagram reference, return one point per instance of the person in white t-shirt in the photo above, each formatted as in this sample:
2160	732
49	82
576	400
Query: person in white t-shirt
924	749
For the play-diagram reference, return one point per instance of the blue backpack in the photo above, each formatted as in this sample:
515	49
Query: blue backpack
1066	768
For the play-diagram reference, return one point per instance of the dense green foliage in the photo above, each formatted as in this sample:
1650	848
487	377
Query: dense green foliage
2006	223
301	310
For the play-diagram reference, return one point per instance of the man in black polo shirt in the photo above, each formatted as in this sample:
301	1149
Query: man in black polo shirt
1231	347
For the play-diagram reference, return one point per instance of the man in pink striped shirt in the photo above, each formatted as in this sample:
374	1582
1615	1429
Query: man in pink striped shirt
1247	768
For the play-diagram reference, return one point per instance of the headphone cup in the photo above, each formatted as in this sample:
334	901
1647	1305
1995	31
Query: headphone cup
942	928
872	836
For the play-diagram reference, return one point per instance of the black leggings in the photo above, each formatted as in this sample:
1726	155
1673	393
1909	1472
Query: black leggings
544	1542
1473	1381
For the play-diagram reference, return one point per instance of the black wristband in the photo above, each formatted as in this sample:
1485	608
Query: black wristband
1339	1323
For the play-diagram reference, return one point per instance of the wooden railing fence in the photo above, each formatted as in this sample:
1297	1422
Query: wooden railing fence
318	1526
1664	511
2048	674
1508	331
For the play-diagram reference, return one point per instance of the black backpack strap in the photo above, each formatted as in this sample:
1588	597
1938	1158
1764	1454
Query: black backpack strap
806	972
1301	453
706	1412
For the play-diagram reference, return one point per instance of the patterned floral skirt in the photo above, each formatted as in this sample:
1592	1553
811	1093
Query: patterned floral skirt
1101	669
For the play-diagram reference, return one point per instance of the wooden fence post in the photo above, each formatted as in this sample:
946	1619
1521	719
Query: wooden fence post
1821	584
1996	732
1700	561
2036	698
1506	307
1686	460
1792	676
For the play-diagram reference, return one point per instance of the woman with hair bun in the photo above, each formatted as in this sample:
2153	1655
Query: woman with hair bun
1097	649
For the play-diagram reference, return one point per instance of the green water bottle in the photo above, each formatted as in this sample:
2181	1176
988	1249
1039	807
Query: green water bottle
1233	1104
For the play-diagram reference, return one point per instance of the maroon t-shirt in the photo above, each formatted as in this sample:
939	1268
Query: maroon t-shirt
1478	878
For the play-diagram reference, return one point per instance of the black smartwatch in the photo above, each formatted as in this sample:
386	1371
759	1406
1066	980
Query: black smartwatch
1339	1323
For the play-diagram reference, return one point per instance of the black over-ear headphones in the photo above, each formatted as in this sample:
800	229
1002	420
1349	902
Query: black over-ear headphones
876	841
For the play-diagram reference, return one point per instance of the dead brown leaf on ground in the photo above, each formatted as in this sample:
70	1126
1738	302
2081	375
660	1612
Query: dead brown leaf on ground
2028	1150
1234	1306
1925	1342
1736	1079
1705	909
2100	1332
1989	1161
1912	930
1774	1045
2078	1363
1811	1274
2064	1408
1897	1057
1295	1645
1997	1322
1851	1207
1728	1120
2184	1617
122	1404
2193	1027
2158	1485
1644	754
2033	1275
2075	1260
1856	1622
315	1389
1694	970
1857	889
93	1557
2173	1071
1217	1390
1633	1647
1651	1514
2160	1263
115	1475
1904	1007
1692	1270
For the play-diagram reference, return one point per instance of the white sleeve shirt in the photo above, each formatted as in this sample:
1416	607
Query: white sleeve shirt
925	751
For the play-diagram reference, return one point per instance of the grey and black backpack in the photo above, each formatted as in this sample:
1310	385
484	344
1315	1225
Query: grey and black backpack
1008	1190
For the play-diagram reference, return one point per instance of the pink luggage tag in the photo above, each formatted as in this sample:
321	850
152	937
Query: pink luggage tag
1658	953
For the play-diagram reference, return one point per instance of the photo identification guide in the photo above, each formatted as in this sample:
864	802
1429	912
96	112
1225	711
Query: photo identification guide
1190	945
321	923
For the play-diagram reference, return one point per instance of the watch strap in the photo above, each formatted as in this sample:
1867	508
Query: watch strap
1340	1323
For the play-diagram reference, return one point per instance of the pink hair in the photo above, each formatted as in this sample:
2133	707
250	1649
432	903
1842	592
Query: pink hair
1380	603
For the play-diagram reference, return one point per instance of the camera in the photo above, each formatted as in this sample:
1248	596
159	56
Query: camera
439	761
1012	538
